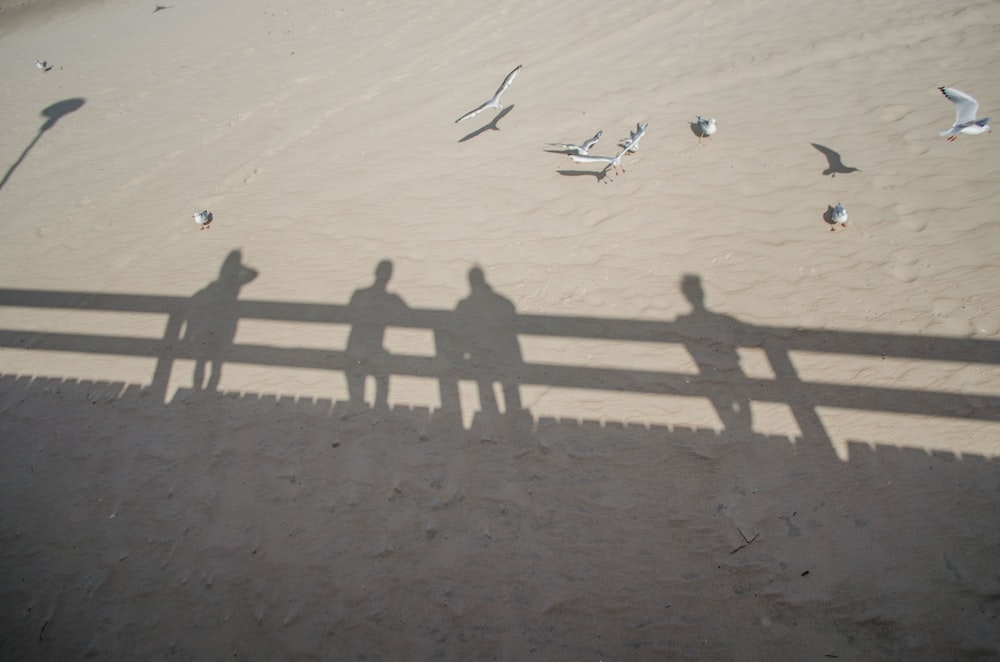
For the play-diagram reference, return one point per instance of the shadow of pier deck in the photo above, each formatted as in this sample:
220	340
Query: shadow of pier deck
203	523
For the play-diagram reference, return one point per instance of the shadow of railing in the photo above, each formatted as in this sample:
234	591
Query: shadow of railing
583	539
270	504
710	338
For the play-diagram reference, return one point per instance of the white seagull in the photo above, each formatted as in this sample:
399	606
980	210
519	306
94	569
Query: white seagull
706	126
203	218
965	115
42	65
631	144
583	149
838	215
494	102
608	161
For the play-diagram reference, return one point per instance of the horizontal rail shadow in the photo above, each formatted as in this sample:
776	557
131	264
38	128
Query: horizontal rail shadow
777	342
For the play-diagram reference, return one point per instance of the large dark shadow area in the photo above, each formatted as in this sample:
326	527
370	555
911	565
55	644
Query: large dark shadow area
139	523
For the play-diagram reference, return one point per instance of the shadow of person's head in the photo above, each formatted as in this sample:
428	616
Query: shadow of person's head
477	279
383	272
233	272
693	291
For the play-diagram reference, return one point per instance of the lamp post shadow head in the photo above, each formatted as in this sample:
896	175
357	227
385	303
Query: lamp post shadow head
58	110
53	113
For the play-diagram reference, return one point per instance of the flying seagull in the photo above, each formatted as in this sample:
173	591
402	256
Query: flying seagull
965	115
631	144
494	102
608	161
582	149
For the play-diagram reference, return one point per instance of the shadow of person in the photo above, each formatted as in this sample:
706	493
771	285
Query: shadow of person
372	309
52	114
486	325
712	339
210	322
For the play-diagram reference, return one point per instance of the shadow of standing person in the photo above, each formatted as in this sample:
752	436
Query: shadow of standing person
712	339
210	323
487	332
372	309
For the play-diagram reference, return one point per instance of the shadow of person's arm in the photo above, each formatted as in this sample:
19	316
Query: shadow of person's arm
246	274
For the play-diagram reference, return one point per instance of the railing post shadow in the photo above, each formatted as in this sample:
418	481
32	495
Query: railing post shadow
165	357
804	411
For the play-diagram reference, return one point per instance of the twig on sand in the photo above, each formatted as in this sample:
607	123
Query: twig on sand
746	541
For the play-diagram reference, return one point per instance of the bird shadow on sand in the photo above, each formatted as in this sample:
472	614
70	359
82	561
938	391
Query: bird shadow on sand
599	175
492	126
834	164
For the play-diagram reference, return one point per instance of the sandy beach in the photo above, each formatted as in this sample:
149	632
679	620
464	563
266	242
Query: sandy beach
433	390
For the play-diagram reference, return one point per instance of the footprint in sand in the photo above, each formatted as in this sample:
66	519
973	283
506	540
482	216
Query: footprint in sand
885	182
249	178
985	326
905	268
909	219
944	307
237	118
894	113
917	143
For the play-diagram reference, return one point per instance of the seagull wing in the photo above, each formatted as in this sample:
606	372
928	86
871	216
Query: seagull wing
831	156
587	145
631	143
965	106
506	82
586	158
473	113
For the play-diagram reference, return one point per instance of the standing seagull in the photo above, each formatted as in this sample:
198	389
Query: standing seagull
836	216
706	126
495	101
203	218
583	149
840	215
965	115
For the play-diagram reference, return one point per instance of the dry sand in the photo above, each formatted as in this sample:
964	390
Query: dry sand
722	431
